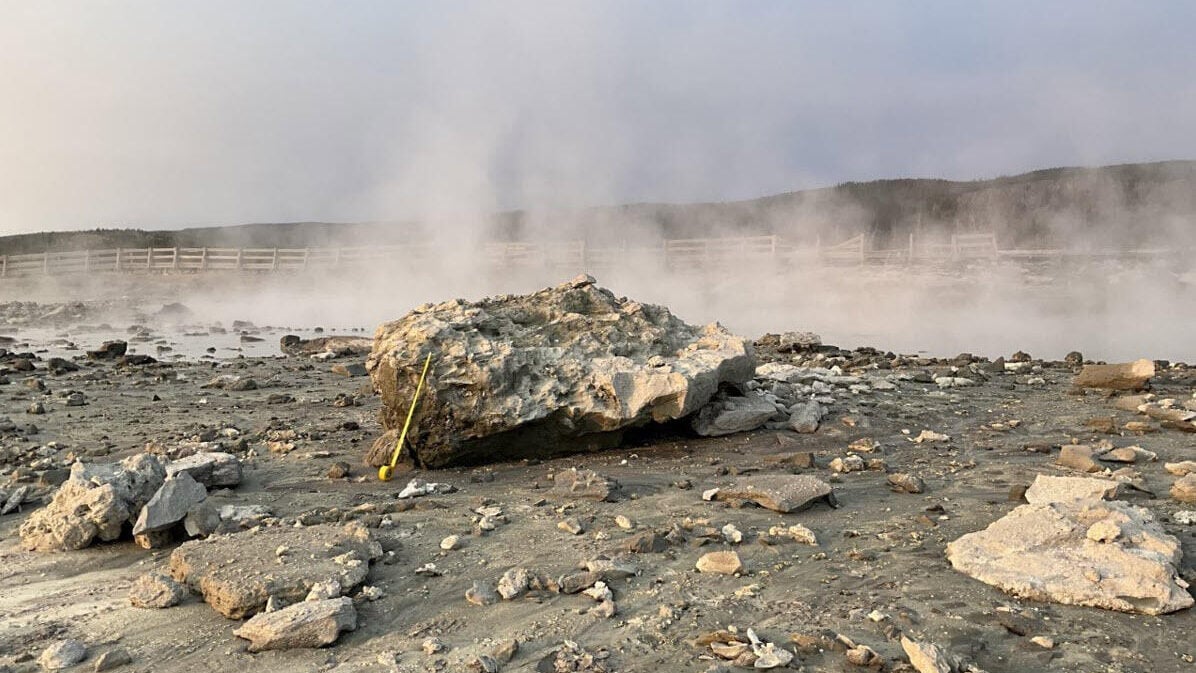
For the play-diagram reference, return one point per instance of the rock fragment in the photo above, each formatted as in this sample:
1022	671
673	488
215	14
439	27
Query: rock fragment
781	493
1184	489
62	654
1047	489
156	590
110	659
926	657
584	484
720	562
306	624
170	504
1127	376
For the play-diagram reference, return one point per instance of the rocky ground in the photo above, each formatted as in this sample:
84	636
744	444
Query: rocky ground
837	587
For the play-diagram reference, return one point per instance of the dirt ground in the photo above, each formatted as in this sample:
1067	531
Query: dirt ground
879	552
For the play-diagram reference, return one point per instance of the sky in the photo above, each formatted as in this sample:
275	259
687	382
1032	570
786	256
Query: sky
156	114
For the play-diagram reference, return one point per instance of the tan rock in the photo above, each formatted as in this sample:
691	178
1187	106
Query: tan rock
238	573
1127	376
1078	457
926	657
303	625
1047	489
720	562
1043	552
1184	489
1181	468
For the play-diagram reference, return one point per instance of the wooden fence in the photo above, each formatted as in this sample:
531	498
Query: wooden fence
566	256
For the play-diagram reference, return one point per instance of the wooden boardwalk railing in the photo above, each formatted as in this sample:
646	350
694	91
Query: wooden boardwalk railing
674	254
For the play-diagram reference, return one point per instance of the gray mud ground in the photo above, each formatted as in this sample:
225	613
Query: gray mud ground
881	550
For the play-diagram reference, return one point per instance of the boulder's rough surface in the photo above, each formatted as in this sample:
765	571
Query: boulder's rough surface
237	574
778	492
562	370
95	502
1127	376
62	654
1089	552
305	624
1184	489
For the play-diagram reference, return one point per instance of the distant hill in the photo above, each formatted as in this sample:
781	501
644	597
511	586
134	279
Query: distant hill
1128	205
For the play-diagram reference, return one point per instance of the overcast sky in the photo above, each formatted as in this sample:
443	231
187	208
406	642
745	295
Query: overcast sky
162	113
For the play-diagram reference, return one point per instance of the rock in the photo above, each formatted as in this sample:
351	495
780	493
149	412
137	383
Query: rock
927	658
418	487
1129	376
213	470
622	521
720	562
1184	489
648	542
451	542
562	370
339	470
1047	489
796	532
237	574
110	350
1181	468
1078	457
1128	454
202	520
339	346
177	495
96	502
1043	552
845	464
306	624
587	484
481	594
804	417
781	492
62	654
10	504
353	369
571	525
901	482
505	650
156	590
113	658
513	583
729	414
1185	517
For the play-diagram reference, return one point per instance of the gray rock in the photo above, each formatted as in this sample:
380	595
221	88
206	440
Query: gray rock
805	417
156	590
213	470
62	654
584	484
927	658
778	492
96	502
202	520
726	415
14	500
1087	552
306	624
562	370
178	494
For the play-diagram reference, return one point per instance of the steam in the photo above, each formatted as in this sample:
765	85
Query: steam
161	115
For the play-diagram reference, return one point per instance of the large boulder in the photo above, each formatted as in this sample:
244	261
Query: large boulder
562	370
1090	552
97	501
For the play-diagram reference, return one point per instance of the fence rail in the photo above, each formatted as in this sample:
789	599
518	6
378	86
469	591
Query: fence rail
674	254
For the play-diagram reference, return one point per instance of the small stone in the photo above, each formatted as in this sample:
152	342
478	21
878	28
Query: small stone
432	646
648	542
927	658
450	543
1078	457
1182	468
506	650
732	534
781	493
1043	642
481	594
110	659
339	470
623	522
720	562
571	525
62	654
900	482
156	590
513	583
322	591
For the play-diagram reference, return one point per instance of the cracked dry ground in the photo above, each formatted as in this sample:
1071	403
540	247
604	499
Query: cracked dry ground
880	554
